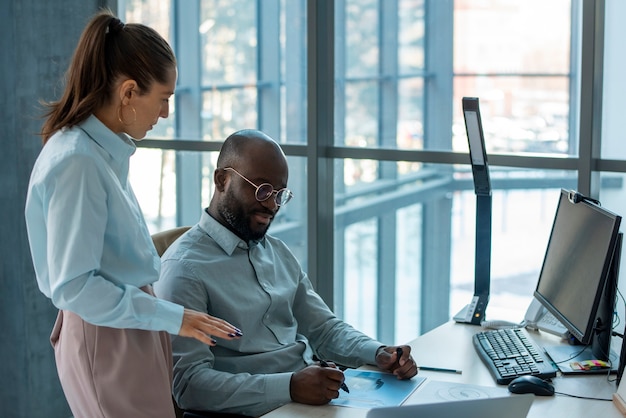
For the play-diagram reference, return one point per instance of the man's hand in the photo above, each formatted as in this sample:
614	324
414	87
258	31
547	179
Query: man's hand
398	360
315	385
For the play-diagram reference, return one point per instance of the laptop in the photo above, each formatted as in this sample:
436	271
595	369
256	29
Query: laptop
513	406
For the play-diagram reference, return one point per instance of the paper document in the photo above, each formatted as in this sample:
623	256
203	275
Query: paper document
438	391
374	389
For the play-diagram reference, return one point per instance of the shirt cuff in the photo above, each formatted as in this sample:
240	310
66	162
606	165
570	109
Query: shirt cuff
168	316
369	352
277	388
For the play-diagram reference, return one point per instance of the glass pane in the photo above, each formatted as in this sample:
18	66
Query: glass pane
152	175
361	42
375	42
519	114
517	61
411	67
408	242
360	276
614	82
362	106
379	264
521	224
512	37
248	77
410	113
228	35
227	111
410	37
409	267
290	224
155	13
293	70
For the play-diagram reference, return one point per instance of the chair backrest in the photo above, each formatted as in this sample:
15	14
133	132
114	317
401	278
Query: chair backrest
162	240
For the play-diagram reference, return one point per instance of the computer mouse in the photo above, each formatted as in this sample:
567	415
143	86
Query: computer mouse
531	384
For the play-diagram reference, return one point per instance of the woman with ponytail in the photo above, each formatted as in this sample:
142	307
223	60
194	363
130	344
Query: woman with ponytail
91	248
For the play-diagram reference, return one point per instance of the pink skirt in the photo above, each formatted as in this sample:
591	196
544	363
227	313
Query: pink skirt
111	372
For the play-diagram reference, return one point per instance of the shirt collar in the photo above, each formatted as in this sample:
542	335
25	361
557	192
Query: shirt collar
120	151
223	236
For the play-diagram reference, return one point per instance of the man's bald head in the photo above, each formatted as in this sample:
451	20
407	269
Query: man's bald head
248	159
243	147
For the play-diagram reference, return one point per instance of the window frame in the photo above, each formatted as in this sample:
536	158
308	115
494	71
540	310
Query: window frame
322	154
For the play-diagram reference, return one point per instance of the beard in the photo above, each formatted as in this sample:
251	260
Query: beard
233	213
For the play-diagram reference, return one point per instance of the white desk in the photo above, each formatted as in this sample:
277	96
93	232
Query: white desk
450	346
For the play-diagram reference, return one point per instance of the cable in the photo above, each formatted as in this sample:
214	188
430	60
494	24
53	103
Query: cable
576	354
582	397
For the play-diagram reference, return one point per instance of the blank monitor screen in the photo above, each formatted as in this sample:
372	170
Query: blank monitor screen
576	263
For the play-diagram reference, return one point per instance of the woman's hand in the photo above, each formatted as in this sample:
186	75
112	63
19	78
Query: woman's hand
203	327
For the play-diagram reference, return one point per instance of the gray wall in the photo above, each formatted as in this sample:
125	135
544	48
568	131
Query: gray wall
37	39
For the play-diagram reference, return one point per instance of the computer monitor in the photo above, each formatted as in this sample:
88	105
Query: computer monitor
578	279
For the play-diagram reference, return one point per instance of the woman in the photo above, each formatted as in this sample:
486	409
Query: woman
91	249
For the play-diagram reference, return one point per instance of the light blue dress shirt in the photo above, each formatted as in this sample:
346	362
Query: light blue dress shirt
89	242
261	289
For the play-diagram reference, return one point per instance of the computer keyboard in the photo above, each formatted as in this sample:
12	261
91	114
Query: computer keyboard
509	353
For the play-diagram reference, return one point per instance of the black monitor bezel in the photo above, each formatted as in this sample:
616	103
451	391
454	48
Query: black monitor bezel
586	335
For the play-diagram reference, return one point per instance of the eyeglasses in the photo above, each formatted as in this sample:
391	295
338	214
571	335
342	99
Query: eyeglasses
266	190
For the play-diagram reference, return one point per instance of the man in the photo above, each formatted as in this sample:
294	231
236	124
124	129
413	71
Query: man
227	266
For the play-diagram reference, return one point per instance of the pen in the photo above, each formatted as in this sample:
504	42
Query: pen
399	353
439	369
430	369
343	384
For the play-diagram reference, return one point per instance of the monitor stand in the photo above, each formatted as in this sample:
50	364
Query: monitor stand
564	355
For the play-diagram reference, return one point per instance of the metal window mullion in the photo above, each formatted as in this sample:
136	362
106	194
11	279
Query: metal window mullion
320	75
437	215
268	67
438	90
188	110
592	59
387	133
339	187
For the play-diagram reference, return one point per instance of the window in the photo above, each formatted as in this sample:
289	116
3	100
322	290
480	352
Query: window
385	190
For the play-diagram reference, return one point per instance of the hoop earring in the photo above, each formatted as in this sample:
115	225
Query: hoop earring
120	115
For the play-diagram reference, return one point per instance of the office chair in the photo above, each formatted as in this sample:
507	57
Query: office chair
162	241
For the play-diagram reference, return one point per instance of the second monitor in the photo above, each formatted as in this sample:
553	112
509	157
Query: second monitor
578	281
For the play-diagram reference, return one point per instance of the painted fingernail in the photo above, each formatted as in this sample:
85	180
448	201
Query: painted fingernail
239	333
231	335
214	340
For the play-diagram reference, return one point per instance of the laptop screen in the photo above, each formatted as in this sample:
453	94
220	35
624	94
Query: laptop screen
516	406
